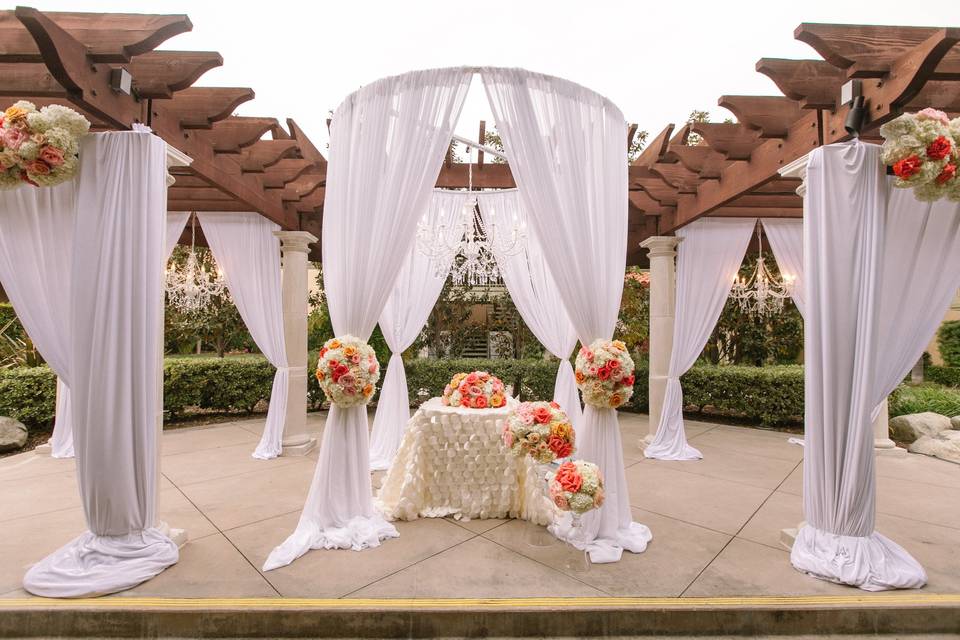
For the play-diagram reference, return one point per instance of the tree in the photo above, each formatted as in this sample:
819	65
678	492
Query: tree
633	323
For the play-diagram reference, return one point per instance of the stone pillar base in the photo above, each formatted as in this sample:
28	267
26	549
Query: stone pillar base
887	448
299	449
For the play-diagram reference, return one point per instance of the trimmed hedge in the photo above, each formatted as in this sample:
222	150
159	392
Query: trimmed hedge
771	395
947	376
532	378
29	394
948	340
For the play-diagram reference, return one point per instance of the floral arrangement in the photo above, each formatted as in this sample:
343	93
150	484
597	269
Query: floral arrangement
577	486
540	430
922	149
476	390
604	373
347	371
39	147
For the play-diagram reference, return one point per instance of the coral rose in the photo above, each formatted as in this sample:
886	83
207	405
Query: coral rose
52	156
480	402
939	148
472	378
949	173
580	377
560	447
907	167
542	415
603	373
569	478
39	167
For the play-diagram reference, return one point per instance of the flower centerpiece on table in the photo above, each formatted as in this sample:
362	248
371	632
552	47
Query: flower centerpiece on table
347	371
922	150
39	147
604	373
577	486
540	430
476	390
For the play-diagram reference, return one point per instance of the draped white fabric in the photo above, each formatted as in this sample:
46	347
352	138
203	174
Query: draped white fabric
881	268
36	247
176	222
786	241
535	294
116	279
565	148
415	293
387	144
708	259
248	252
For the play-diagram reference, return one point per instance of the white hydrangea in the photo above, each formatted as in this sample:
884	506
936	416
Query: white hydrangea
66	118
580	502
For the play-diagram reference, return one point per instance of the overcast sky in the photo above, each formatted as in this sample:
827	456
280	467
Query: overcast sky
656	60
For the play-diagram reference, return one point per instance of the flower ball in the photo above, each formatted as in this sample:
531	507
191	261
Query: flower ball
604	373
348	371
476	390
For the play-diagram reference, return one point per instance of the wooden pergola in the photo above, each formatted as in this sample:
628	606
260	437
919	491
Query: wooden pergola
255	164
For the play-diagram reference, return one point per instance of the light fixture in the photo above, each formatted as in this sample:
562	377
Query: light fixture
761	294
191	287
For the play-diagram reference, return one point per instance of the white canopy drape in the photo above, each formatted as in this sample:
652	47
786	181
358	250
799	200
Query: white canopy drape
535	294
414	295
36	248
387	143
116	279
566	151
176	223
248	252
881	268
708	260
786	241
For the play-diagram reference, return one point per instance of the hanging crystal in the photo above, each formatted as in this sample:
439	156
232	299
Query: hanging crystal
762	295
191	287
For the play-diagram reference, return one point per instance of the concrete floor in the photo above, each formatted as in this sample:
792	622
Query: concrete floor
716	525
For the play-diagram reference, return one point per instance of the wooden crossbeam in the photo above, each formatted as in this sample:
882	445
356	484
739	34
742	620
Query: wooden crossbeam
31	79
493	176
198	193
678	176
659	190
815	84
284	171
158	74
756	212
766	200
265	153
307	150
303	186
200	107
654	151
770	115
236	132
643	201
734	141
702	160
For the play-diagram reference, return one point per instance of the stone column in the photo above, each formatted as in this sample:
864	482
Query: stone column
663	289
294	245
882	444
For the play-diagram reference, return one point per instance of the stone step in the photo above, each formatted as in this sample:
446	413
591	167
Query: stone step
897	614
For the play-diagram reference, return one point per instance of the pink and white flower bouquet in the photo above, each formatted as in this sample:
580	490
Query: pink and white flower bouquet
922	150
577	486
39	147
348	371
540	430
476	390
604	373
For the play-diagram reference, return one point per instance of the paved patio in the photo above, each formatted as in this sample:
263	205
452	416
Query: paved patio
716	525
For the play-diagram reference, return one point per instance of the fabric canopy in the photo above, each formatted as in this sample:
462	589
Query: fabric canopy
248	252
786	241
565	147
387	144
881	268
414	295
535	294
116	280
708	260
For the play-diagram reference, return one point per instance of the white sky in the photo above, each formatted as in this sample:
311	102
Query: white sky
656	60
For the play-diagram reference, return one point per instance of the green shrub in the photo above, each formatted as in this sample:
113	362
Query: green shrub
29	394
907	399
948	339
7	314
770	395
533	379
947	376
217	384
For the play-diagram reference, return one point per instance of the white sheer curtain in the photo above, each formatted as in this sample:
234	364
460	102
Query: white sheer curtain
708	259
414	295
786	241
387	144
535	294
248	252
176	223
116	279
36	247
881	268
566	151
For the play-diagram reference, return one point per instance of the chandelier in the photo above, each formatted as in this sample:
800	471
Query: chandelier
191	287
762	295
472	256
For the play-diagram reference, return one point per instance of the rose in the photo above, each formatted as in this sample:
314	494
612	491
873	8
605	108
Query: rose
527	418
939	148
349	351
355	359
464	388
342	369
533	437
13	138
629	380
580	377
368	390
933	114
569	478
39	167
907	167
480	402
554	404
347	379
15	114
541	415
603	373
559	498
948	173
472	378
476	391
560	447
616	400
372	369
496	400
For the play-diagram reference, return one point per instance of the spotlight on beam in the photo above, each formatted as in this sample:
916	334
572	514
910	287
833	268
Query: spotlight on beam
121	81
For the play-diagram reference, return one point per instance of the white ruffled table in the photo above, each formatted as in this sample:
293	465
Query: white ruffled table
451	462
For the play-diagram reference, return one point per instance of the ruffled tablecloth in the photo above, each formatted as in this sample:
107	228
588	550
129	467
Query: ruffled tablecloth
451	462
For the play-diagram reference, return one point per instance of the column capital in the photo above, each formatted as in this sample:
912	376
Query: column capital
797	169
295	240
661	246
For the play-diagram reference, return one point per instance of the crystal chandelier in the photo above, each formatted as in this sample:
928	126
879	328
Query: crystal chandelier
191	287
762	294
473	255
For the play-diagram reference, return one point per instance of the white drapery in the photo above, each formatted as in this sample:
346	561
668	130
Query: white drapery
387	143
786	241
116	279
881	268
565	148
248	252
708	260
36	247
176	223
414	295
535	294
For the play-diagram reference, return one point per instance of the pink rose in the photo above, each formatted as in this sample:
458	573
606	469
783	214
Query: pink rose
39	167
480	402
589	356
464	388
476	391
52	156
355	359
372	369
527	419
933	114
13	138
348	379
